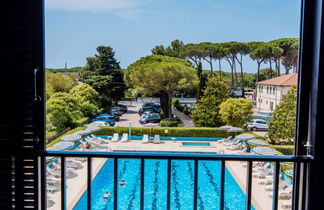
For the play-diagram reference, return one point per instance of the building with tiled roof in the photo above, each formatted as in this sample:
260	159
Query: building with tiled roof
271	91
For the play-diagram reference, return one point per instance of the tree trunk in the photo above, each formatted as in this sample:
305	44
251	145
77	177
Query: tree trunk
279	66
242	78
235	72
258	73
242	75
270	69
220	69
211	65
164	98
232	71
170	105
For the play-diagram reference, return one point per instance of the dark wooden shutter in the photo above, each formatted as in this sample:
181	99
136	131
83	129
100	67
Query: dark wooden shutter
21	116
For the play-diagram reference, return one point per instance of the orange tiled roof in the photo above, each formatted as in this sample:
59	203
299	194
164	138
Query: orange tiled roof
285	80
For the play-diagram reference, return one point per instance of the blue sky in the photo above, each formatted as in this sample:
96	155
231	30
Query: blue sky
74	28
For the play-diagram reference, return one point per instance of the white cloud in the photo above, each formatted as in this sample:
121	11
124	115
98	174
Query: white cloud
94	5
129	14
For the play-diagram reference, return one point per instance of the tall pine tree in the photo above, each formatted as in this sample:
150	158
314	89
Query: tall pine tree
103	73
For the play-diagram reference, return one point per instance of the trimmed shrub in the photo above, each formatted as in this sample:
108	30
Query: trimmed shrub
81	121
172	131
167	123
284	149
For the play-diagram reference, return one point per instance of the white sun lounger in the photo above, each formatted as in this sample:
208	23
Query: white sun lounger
286	204
80	159
265	181
156	139
52	189
53	172
145	139
282	195
243	151
124	138
68	170
53	181
115	137
74	164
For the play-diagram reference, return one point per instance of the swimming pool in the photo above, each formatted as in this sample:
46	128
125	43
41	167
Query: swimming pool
182	175
170	138
200	144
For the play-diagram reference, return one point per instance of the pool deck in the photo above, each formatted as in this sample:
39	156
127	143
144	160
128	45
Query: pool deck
77	185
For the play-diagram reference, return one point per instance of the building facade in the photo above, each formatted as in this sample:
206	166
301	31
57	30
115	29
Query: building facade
270	92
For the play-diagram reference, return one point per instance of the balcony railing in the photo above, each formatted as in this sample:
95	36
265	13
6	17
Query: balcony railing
299	163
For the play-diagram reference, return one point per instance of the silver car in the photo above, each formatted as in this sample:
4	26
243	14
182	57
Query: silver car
258	124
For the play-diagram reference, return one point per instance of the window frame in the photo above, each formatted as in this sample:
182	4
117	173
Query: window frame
309	103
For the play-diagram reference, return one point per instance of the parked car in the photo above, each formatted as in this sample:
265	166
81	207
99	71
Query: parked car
116	111
106	119
122	108
149	109
258	124
151	105
112	115
150	118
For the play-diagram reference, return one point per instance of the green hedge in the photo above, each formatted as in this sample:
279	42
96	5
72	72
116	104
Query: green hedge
81	122
281	149
167	123
172	131
284	149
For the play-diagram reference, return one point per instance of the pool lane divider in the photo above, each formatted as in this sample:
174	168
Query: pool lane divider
174	185
132	196
155	185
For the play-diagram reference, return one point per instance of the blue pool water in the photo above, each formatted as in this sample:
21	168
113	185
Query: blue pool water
168	138
182	175
195	144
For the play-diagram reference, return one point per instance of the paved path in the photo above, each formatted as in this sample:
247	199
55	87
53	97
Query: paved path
187	121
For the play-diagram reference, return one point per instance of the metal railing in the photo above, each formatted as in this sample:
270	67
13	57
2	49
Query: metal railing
276	160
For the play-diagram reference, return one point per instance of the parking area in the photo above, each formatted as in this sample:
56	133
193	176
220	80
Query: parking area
131	116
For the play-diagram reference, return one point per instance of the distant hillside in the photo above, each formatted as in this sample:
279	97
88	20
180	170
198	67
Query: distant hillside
74	69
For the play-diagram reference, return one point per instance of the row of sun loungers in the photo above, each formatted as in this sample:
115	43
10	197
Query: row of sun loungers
263	172
54	173
146	139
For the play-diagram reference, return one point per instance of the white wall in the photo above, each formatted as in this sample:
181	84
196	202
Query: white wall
265	98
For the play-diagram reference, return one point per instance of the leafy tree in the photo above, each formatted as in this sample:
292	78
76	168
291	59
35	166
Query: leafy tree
59	82
62	109
206	113
233	49
87	98
273	53
193	53
102	84
241	49
290	52
282	126
236	111
103	73
155	74
172	51
258	54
